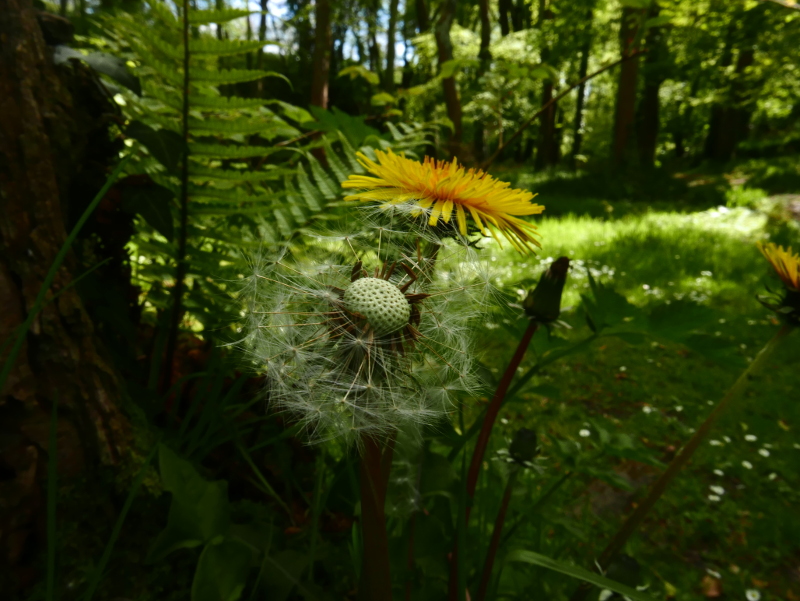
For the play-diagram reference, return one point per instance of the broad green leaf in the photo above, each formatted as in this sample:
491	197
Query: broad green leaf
381	99
524	556
166	146
152	202
222	571
199	511
360	71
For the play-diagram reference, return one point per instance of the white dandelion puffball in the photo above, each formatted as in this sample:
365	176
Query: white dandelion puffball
365	337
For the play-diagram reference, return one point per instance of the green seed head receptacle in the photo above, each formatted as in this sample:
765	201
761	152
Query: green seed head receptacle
381	303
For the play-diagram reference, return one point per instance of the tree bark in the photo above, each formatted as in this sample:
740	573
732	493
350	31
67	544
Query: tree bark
484	54
546	147
47	153
577	139
648	121
445	50
505	7
321	60
423	22
624	115
390	50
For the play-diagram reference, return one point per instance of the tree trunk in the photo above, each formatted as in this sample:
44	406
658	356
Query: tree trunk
390	51
372	35
321	59
648	118
624	116
54	143
583	68
484	54
451	99
423	22
505	7
546	148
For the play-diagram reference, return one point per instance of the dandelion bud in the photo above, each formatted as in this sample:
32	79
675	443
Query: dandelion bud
543	303
524	447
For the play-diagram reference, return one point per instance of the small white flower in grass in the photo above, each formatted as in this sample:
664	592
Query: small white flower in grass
726	438
750	437
715	443
717	490
772	476
747	464
714	574
623	368
647	409
585	433
753	594
763	452
719	473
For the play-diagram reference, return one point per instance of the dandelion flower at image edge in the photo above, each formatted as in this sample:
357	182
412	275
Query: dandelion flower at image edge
444	190
785	263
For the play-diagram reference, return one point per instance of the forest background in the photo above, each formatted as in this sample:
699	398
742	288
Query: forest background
152	151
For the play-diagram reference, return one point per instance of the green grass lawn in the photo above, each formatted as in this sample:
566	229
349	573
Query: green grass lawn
730	521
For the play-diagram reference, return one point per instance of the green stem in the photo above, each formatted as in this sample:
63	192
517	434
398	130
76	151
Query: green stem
315	511
51	274
52	491
683	456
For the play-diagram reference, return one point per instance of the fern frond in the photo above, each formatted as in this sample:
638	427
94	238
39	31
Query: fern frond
224	103
204	17
214	47
228	76
310	194
269	128
203	173
324	183
222	151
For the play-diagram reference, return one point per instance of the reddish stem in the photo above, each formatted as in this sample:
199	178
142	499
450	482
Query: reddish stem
498	530
376	582
483	441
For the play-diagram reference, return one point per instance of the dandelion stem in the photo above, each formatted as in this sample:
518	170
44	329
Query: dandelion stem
682	457
498	530
483	437
376	459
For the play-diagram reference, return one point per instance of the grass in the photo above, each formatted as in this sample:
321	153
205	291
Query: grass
730	516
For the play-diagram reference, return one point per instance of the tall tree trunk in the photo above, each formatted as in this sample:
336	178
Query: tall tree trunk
583	68
730	119
625	111
484	54
546	147
648	118
390	51
321	59
50	143
423	22
505	7
451	99
372	37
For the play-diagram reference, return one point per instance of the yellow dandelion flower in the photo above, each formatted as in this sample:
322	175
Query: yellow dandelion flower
443	189
784	262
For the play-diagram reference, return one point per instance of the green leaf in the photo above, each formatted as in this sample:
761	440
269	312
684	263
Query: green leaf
310	192
103	63
166	146
382	99
324	183
658	21
229	76
451	67
636	3
203	17
222	571
215	47
360	71
152	202
524	556
199	511
232	151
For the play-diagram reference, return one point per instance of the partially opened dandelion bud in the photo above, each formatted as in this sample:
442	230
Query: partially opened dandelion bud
438	196
543	303
787	266
364	345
